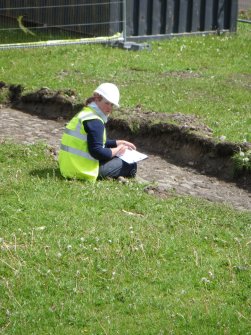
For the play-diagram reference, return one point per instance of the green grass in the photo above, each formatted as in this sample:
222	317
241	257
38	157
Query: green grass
209	76
108	258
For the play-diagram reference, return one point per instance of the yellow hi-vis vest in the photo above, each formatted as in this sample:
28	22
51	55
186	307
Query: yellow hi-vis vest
75	161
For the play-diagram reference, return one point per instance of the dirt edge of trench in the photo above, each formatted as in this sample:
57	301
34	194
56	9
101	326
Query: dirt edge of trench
181	139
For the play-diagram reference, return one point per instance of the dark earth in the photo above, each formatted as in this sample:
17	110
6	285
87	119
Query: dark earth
183	157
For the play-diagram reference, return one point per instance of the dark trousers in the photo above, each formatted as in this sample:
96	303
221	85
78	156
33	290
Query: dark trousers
115	168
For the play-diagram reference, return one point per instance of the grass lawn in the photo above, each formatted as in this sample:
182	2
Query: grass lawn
109	258
208	76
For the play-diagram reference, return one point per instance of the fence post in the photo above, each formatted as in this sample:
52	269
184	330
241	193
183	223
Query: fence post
124	20
234	16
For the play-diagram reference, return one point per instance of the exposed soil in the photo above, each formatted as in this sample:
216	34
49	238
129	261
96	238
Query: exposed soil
183	157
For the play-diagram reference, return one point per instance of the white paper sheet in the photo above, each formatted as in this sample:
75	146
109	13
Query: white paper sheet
132	156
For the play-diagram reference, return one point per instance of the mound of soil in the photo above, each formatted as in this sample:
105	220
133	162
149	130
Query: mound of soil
182	139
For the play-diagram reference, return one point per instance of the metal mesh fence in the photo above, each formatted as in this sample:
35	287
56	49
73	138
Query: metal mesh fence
36	22
244	7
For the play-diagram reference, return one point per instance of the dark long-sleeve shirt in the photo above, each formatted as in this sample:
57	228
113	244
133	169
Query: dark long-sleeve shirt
95	132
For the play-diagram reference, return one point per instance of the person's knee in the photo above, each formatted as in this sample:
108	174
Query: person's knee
111	169
116	168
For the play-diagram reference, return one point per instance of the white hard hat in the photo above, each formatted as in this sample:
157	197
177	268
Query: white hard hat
110	92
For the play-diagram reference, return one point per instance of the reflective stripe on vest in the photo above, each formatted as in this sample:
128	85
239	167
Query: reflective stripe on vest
75	161
76	133
86	116
76	152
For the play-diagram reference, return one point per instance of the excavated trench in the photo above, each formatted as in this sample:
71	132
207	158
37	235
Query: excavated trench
183	156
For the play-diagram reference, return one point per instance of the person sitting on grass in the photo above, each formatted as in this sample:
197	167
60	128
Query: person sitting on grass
85	152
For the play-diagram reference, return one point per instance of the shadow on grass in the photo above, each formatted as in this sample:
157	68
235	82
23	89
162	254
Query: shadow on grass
48	173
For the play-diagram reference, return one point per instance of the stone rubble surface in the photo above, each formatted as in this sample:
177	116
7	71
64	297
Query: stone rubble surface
25	128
